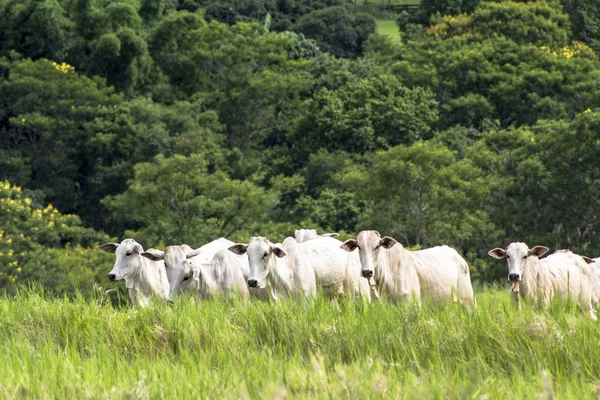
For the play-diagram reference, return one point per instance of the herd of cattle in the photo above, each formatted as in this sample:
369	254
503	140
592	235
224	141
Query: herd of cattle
301	265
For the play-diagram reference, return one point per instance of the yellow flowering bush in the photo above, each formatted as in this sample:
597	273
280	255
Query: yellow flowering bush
31	237
63	67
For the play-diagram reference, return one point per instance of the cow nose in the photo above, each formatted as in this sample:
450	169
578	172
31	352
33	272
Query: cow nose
513	277
367	273
111	277
252	282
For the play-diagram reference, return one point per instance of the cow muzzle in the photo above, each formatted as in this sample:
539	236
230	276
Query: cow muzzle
252	283
112	277
514	277
367	273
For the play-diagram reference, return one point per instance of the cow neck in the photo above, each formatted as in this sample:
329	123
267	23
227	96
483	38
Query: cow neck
393	264
281	277
209	277
134	277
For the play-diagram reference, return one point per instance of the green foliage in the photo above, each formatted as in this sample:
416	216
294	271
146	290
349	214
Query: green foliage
337	30
178	200
44	245
422	195
366	115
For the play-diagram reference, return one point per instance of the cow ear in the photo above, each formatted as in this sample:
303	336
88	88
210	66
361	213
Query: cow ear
349	245
154	254
588	260
239	249
387	242
110	247
537	251
497	253
332	235
278	252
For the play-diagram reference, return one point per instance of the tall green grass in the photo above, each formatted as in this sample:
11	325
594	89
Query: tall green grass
86	348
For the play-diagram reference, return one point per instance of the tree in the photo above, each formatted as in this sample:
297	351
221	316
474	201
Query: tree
421	195
337	30
487	75
35	241
178	200
75	141
365	115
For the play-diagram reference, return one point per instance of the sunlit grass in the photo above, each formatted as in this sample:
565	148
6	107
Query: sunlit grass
389	28
86	348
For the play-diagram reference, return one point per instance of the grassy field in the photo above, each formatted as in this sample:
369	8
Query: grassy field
88	349
388	27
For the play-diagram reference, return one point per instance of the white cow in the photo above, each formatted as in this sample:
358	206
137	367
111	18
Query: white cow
363	287
291	269
529	276
439	272
568	274
172	255
573	278
222	276
302	235
178	270
595	266
142	276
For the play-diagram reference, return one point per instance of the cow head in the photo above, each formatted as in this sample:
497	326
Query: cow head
369	244
128	259
172	256
261	257
516	255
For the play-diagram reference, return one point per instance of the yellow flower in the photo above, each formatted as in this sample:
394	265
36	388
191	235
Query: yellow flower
588	111
532	140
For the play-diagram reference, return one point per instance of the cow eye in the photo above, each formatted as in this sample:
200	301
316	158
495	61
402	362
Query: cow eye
128	254
265	255
524	257
507	256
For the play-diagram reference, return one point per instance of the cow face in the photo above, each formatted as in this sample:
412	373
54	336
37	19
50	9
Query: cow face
516	255
128	259
261	257
181	275
369	244
173	257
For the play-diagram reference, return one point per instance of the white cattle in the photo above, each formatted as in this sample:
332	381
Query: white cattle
222	276
573	278
302	235
562	274
172	255
595	266
439	272
291	269
143	277
177	269
529	276
363	287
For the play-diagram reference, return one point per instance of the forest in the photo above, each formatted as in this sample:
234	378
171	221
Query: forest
180	121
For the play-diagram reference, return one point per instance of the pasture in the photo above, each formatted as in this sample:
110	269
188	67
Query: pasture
88	348
388	27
